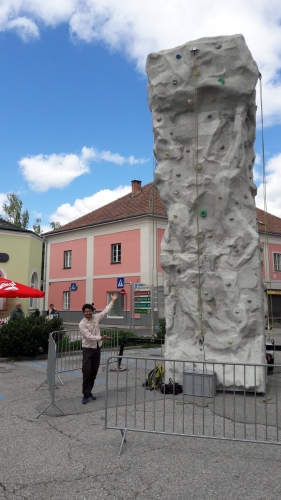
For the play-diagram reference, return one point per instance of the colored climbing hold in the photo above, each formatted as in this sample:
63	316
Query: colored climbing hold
205	293
229	342
178	56
221	80
198	167
203	212
192	281
187	150
228	284
190	101
220	197
197	72
175	216
159	118
167	153
221	146
210	235
175	82
218	46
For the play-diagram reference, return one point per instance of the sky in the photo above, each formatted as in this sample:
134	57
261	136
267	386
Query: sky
75	128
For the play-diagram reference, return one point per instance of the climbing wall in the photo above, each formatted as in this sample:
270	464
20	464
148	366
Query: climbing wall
202	98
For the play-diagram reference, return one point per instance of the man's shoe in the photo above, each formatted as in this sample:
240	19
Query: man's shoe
92	397
85	400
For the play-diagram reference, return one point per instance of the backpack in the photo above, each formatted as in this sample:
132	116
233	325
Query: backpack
154	378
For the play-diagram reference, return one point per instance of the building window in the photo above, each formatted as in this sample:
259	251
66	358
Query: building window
67	259
116	253
117	310
33	284
277	261
66	300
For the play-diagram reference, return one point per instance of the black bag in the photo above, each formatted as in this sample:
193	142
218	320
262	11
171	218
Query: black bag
171	388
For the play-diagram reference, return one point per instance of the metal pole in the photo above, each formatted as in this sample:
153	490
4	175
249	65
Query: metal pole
68	305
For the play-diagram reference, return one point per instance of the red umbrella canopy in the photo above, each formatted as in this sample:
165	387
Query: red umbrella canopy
12	289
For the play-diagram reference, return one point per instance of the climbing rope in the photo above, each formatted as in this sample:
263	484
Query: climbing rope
196	73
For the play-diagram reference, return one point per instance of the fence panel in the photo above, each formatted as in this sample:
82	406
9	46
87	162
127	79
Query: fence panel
207	408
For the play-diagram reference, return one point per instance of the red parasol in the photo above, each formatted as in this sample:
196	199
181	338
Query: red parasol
12	289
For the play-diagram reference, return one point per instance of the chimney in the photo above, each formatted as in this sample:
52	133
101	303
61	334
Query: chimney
136	187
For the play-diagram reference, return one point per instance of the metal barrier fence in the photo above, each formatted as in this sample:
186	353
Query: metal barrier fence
65	355
209	407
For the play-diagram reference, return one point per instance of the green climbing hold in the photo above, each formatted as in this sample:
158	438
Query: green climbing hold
203	212
221	80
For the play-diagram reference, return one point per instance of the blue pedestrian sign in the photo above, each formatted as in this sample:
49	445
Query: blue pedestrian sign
73	287
120	282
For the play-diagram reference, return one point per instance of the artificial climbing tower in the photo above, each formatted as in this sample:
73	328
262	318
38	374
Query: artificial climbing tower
202	98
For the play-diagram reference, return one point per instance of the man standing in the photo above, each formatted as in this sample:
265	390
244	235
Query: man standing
51	311
91	343
17	312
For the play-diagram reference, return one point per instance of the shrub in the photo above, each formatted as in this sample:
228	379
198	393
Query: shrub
27	336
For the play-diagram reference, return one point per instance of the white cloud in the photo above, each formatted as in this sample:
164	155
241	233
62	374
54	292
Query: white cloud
43	172
24	27
273	192
66	213
136	28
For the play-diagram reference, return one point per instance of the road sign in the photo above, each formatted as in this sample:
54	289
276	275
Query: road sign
142	299
141	286
120	282
142	311
123	291
140	293
73	287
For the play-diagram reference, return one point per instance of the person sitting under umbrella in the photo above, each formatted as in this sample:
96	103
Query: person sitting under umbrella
17	312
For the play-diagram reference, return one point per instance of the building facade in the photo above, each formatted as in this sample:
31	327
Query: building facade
20	260
122	240
119	240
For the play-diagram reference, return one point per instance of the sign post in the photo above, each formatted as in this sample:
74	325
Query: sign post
142	298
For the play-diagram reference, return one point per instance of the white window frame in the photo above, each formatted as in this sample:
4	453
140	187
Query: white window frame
66	300
67	259
277	262
117	306
34	283
116	253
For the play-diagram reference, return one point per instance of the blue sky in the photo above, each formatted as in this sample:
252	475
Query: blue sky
75	124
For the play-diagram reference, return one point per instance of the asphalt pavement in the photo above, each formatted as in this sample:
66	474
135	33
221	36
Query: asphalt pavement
73	457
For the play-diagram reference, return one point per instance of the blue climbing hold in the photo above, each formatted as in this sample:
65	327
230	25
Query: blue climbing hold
178	56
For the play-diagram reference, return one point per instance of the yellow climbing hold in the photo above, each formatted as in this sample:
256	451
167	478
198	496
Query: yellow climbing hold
167	153
197	72
229	342
175	216
198	167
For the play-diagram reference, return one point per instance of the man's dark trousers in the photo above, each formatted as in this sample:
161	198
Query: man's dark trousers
90	367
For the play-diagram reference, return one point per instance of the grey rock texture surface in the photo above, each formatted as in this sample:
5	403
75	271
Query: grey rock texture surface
203	107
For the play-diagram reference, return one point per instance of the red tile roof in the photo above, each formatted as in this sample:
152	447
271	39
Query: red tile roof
145	202
272	222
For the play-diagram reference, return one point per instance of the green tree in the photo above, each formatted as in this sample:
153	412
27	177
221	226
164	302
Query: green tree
37	226
13	211
55	225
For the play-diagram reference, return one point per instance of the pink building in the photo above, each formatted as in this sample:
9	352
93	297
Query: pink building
122	239
270	235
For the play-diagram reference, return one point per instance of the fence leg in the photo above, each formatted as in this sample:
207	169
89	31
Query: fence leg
51	404
123	432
